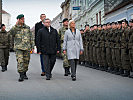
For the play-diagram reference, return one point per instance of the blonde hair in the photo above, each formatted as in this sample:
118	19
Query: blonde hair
70	23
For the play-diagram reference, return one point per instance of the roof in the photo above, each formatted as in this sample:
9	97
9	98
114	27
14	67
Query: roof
4	12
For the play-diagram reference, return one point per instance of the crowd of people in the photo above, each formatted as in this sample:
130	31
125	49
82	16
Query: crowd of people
109	47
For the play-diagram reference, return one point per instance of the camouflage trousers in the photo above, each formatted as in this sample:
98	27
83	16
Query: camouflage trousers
109	57
131	57
65	60
4	57
23	58
125	59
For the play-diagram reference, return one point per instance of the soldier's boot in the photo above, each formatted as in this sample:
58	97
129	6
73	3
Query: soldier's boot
115	70
25	76
131	76
21	78
120	72
66	71
73	78
3	69
105	68
126	74
69	71
110	70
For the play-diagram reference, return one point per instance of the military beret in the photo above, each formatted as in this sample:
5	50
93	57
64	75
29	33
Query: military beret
65	19
108	23
95	25
100	25
86	25
104	24
124	20
131	20
119	22
20	16
2	25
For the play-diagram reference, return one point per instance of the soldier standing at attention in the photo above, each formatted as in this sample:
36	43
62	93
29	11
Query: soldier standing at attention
23	44
124	49
62	30
4	48
130	45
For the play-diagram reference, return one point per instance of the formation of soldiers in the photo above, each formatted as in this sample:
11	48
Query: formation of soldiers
109	47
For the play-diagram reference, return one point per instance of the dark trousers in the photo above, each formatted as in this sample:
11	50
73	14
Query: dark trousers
73	64
42	64
49	62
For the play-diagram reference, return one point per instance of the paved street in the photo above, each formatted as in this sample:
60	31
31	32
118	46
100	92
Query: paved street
90	85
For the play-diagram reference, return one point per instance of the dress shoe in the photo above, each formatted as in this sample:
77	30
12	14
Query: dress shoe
126	74
47	78
74	78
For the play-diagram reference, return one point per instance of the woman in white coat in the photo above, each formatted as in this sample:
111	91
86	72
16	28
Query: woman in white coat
74	47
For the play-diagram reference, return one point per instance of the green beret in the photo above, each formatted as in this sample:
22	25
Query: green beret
20	16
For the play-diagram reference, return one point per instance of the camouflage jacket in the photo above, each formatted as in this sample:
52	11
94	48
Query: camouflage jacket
4	39
23	38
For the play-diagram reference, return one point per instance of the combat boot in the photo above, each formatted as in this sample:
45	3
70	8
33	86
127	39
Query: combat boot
120	72
21	78
115	70
25	76
126	74
66	71
3	69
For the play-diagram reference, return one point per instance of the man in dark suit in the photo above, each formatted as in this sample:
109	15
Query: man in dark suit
48	45
38	26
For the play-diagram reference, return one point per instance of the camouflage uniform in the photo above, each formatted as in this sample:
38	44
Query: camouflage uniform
130	47
83	58
124	49
65	59
4	48
23	44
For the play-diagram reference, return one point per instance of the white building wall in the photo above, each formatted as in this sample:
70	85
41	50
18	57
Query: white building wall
6	20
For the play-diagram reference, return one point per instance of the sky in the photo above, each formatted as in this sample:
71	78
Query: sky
32	9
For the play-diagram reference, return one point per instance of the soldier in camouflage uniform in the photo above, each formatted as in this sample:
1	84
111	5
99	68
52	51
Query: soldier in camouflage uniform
62	30
82	57
4	47
23	44
124	49
86	45
130	45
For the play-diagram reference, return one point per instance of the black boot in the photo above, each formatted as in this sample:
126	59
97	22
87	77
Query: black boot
120	72
3	69
126	74
66	71
25	76
115	70
21	78
74	78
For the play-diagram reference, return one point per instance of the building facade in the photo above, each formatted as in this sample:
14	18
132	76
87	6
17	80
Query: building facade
6	18
118	10
91	12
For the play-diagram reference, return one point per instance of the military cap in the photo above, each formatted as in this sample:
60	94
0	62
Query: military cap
113	23
131	20
65	19
20	16
104	24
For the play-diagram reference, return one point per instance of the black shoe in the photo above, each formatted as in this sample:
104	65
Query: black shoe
126	74
3	69
43	74
120	72
47	78
110	70
74	78
25	76
131	76
21	78
115	70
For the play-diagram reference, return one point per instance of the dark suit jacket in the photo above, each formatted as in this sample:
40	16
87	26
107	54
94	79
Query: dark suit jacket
38	26
48	42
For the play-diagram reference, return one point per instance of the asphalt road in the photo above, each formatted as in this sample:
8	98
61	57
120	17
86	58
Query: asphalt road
91	84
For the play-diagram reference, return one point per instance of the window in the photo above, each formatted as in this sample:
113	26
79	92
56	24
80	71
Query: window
97	18
100	17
